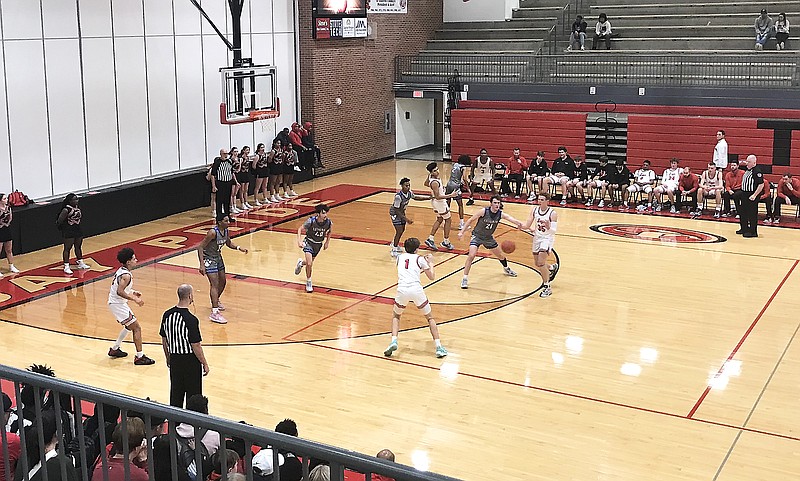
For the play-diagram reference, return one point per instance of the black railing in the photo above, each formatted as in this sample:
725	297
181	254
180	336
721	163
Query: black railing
774	70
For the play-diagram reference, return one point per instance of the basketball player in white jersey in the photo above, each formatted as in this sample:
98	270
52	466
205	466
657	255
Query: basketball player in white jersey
440	207
710	187
121	292
669	185
409	289
482	174
545	219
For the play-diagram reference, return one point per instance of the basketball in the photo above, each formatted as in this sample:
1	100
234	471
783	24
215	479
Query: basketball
508	246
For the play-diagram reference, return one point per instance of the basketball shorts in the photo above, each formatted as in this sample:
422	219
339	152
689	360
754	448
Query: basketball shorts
397	220
262	172
598	182
710	194
276	169
5	234
481	178
557	179
641	188
441	208
543	244
450	188
213	265
312	248
415	295
72	231
489	243
667	187
122	313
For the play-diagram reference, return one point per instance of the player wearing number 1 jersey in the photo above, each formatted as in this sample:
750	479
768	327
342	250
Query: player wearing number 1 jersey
545	219
409	289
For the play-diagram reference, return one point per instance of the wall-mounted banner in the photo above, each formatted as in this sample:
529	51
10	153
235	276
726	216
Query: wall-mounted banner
388	6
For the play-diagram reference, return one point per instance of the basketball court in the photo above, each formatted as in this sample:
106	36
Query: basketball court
666	351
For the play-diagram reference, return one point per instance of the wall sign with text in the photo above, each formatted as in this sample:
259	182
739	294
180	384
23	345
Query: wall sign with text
388	6
345	27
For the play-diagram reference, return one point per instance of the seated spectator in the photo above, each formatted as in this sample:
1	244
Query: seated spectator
580	179
136	457
162	461
710	188
687	186
618	181
599	181
578	35
308	134
766	199
199	404
231	464
291	469
515	172
642	182
320	473
669	185
764	26
602	32
482	174
733	189
563	170
52	461
283	136
388	456
12	443
788	192
781	31
537	171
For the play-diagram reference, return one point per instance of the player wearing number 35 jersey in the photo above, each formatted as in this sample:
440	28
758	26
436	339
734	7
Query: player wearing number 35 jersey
409	289
545	221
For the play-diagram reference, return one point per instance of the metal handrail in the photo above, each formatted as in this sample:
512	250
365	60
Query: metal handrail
252	435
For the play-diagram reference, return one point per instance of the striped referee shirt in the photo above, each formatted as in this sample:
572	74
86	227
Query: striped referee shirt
181	329
752	179
222	169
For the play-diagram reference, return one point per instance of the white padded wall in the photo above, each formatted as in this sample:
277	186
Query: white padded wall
163	104
102	142
5	153
191	103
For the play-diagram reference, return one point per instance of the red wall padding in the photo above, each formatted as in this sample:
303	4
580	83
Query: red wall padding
499	131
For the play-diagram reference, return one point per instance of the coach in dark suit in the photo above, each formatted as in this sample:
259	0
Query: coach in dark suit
180	337
752	185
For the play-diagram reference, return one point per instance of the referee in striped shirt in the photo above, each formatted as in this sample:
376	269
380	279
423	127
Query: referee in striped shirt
752	185
180	337
222	180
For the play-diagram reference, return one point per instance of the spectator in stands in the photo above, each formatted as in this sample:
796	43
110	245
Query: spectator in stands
733	189
296	139
515	172
137	453
781	31
537	171
320	473
599	181
283	136
386	455
199	404
53	461
669	185
309	141
710	188
578	35
602	31
563	170
11	443
720	158
291	469
752	188
687	186
766	199
642	182
788	192
618	181
580	179
162	461
231	464
764	27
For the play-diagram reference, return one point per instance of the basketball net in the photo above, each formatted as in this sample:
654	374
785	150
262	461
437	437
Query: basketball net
266	120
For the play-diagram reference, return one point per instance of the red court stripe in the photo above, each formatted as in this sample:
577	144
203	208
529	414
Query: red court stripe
744	337
563	393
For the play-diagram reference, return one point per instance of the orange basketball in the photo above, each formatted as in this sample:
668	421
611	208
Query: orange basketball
508	246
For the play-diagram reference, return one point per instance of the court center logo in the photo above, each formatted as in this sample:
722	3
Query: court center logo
655	233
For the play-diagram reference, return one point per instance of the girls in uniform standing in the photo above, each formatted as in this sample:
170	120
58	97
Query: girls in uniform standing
290	160
261	165
275	171
69	222
244	177
5	232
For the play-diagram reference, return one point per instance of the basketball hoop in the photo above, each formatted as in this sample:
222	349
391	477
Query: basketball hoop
251	116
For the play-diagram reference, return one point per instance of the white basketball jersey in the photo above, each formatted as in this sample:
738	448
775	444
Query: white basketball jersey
712	180
113	297
409	268
484	168
671	176
542	221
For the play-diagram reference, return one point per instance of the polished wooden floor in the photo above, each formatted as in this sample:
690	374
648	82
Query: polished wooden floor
652	360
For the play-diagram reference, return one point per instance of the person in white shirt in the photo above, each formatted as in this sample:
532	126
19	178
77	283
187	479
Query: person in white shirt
602	31
720	158
642	182
781	31
409	289
544	220
121	292
710	187
669	185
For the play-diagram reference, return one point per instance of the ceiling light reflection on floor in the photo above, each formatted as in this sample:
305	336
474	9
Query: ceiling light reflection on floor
630	369
449	371
648	355
574	344
420	460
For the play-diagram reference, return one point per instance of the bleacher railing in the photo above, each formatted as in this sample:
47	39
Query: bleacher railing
78	395
773	70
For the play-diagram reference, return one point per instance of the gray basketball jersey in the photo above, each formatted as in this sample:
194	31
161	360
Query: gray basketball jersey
400	203
315	232
487	224
456	175
213	250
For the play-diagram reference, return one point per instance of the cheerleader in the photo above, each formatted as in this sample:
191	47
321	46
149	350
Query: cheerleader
290	161
237	167
243	177
5	233
261	168
275	171
69	222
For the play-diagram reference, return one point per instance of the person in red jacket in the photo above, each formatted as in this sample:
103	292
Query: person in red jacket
733	189
688	185
788	192
516	165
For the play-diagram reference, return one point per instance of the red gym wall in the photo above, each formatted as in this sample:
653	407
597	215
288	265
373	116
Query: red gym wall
655	132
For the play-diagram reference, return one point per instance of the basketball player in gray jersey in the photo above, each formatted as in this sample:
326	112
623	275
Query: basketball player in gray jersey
212	266
486	221
459	177
318	234
397	211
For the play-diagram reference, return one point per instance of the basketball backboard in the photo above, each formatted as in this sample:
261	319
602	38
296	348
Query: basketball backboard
248	94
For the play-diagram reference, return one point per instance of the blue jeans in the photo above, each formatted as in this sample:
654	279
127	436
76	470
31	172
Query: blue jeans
761	38
577	37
